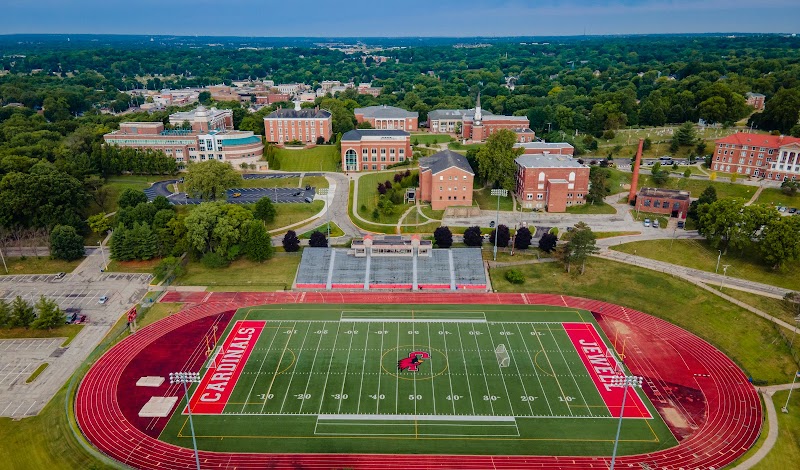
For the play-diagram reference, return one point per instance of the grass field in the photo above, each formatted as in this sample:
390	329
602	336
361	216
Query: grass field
319	158
314	181
133	266
484	199
117	184
787	447
330	375
66	331
696	187
335	231
427	138
368	197
274	274
294	212
775	197
592	209
38	265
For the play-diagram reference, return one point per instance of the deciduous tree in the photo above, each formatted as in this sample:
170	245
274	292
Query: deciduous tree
131	198
210	179
265	210
66	243
582	244
472	236
496	159
290	242
548	242
522	239
443	237
318	240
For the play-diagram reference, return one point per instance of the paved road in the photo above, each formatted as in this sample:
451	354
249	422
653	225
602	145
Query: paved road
248	195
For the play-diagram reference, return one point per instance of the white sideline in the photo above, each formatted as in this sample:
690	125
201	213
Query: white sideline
415	418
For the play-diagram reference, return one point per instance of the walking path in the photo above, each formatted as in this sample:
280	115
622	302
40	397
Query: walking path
755	196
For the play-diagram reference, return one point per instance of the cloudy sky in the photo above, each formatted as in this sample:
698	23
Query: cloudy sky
397	17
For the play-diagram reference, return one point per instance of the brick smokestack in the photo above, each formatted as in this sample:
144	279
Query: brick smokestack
635	178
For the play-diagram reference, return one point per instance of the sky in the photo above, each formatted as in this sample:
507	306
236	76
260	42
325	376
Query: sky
380	18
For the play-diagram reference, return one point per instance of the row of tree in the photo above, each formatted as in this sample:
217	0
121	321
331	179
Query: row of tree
44	315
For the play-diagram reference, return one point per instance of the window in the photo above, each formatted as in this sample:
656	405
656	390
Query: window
374	151
540	196
441	178
656	203
465	177
647	203
374	167
529	196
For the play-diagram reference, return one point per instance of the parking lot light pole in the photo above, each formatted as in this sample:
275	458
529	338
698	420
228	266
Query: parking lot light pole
103	254
497	192
718	258
623	381
188	378
325	192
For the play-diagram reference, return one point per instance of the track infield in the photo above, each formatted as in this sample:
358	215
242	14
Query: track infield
322	378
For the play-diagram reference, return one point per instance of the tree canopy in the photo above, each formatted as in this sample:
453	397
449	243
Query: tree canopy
210	179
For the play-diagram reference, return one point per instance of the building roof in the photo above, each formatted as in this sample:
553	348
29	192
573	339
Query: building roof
443	160
750	94
544	146
523	130
358	134
668	193
438	114
540	160
199	113
385	112
758	140
493	117
307	113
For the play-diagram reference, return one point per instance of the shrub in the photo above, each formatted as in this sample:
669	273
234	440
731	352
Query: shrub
515	276
290	242
609	134
443	237
473	237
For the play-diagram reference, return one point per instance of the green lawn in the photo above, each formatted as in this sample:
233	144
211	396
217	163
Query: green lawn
156	312
696	187
274	274
427	138
432	214
294	212
65	331
618	181
361	224
591	209
768	305
786	452
37	372
314	181
335	231
117	184
747	339
319	158
775	197
368	197
38	265
484	199
458	146
698	254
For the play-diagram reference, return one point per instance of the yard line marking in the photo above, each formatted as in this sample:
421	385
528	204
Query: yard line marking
449	375
363	368
480	359
289	387
313	363
553	371
397	377
502	375
414	344
328	374
574	380
466	369
433	388
346	364
539	379
524	390
380	373
260	366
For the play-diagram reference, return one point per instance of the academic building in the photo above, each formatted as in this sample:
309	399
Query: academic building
774	157
201	134
388	117
374	149
306	125
445	179
550	182
552	148
476	125
670	202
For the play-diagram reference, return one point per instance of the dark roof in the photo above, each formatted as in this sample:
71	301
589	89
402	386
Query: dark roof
665	193
306	113
445	159
357	134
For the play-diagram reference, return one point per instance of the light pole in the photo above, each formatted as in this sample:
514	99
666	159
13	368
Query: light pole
4	260
324	192
724	275
785	408
623	381
718	258
797	323
103	254
497	192
187	378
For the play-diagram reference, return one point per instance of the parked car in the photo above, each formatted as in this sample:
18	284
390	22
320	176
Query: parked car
491	224
103	299
792	210
655	223
308	200
681	224
646	222
60	275
72	310
236	194
72	317
781	209
308	187
81	319
298	193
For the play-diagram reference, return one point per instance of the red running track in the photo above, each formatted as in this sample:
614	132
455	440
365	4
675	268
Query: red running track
730	424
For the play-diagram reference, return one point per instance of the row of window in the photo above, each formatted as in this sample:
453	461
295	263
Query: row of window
658	203
374	151
383	158
453	188
540	196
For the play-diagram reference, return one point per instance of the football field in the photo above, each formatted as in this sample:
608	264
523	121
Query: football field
478	379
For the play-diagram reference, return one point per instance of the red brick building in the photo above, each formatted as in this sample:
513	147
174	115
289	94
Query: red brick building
306	125
552	148
755	100
445	179
478	127
670	202
766	156
374	149
550	182
388	117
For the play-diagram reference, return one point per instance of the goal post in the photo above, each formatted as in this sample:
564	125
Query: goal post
619	369
503	359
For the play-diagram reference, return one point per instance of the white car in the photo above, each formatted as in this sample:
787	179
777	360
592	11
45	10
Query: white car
646	222
103	299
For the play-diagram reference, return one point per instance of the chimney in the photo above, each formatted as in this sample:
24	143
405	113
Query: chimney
635	177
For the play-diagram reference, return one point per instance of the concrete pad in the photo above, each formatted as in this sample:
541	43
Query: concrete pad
150	381
158	407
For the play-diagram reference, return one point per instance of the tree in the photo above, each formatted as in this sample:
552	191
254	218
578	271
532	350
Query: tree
522	240
781	111
503	235
719	220
22	314
582	244
66	243
443	237
496	159
258	244
48	315
143	241
708	196
5	313
99	223
780	241
265	210
131	198
318	240
290	242
598	188
687	173
218	227
364	125
204	97
210	179
472	236
548	242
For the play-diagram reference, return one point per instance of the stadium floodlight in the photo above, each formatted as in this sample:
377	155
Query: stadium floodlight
497	192
623	381
188	378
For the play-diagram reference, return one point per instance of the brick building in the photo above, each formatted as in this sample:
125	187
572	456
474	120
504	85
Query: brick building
550	182
755	100
388	117
445	179
305	125
552	148
477	125
374	149
670	202
766	156
204	134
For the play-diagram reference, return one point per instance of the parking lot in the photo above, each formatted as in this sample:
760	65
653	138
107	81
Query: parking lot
19	358
247	195
63	291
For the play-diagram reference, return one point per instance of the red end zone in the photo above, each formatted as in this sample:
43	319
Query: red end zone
220	378
592	350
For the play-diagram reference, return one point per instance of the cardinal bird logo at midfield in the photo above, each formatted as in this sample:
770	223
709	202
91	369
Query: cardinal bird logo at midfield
412	362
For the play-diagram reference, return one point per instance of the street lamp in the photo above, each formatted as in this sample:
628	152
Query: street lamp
187	378
497	192
718	258
324	192
724	275
797	324
103	254
623	381
785	408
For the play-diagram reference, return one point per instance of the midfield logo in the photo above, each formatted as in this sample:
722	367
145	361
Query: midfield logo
412	362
